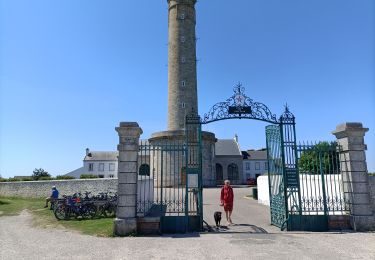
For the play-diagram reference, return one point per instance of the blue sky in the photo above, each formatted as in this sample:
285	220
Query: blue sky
70	71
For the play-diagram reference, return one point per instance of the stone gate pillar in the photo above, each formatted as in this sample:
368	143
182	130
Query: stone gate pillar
126	221
350	136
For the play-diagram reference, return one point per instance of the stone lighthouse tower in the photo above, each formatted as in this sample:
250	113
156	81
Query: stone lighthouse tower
182	90
182	72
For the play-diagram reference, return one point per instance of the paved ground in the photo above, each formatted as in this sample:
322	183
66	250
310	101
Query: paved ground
19	240
248	215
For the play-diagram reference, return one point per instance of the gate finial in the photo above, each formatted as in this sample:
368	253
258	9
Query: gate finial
287	116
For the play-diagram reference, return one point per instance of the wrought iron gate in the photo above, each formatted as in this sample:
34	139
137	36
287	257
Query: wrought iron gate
283	178
194	182
276	176
170	180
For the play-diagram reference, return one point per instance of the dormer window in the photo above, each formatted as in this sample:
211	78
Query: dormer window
183	104
183	83
183	59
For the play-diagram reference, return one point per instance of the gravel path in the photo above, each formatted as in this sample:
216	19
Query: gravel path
20	240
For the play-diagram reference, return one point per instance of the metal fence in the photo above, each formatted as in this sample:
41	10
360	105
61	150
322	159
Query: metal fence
162	189
321	180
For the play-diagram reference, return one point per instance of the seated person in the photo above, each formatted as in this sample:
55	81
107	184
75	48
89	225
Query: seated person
54	196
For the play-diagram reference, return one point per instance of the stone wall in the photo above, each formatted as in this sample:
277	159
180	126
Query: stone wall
371	180
38	189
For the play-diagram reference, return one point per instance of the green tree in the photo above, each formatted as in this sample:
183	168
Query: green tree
320	157
40	173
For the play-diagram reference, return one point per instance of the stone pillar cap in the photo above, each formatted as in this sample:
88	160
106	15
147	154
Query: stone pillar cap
129	124
344	128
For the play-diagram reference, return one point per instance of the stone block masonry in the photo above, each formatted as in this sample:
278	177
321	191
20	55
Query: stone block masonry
126	220
357	188
372	191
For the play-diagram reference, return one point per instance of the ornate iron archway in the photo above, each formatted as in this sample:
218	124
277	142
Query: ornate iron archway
284	187
239	106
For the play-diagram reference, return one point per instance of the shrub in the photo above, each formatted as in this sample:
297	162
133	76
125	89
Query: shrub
321	157
64	177
3	180
27	179
14	179
45	178
88	176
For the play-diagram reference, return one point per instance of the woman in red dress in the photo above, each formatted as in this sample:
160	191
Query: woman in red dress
226	199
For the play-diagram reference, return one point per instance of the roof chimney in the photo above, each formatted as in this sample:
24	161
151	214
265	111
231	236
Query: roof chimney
87	151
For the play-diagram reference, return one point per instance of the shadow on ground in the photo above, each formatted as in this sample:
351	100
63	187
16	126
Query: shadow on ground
235	228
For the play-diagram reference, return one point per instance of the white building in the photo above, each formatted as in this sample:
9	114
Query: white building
102	164
254	163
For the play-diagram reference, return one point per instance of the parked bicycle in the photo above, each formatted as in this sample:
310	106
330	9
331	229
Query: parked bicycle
86	206
73	206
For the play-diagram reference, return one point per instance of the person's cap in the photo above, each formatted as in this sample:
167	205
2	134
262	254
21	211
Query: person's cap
53	187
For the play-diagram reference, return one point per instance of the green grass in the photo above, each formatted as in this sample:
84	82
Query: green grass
43	217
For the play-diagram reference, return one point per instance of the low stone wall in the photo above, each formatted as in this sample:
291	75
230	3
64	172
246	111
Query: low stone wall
371	180
37	189
42	189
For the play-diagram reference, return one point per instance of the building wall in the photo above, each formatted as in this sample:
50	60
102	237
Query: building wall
97	170
252	170
225	161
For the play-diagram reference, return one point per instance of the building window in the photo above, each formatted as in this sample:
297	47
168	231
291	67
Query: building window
266	165
101	175
144	170
247	166
233	172
257	166
183	83
111	176
182	38
219	172
101	167
183	105
183	59
91	167
111	167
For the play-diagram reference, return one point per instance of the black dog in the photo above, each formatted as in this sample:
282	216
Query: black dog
217	217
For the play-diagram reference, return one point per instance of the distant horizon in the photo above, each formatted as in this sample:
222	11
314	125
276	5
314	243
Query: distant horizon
70	71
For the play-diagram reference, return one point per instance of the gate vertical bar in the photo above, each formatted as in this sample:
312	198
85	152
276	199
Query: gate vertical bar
321	171
284	176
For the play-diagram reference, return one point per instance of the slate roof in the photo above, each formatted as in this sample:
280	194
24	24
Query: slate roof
110	155
257	155
227	147
76	173
101	156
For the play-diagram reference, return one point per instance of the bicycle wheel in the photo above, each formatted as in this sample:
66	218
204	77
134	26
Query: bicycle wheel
109	211
60	212
89	211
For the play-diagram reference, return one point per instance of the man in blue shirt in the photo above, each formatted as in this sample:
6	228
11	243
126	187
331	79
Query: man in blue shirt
54	196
